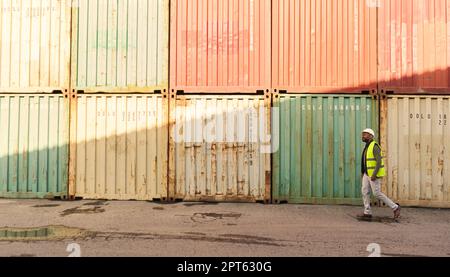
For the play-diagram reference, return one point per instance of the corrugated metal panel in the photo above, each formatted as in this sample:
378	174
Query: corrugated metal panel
121	46
416	131
121	147
220	148
319	158
324	46
34	146
414	45
220	46
34	45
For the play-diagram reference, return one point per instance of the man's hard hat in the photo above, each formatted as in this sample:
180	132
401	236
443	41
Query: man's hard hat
369	131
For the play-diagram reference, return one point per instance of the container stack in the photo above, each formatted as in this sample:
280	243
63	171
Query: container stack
224	100
324	75
119	109
220	100
414	79
34	87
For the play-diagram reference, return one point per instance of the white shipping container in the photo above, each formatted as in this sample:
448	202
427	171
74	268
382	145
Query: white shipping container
119	147
34	45
220	148
416	137
120	46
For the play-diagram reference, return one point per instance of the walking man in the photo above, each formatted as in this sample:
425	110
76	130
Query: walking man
372	169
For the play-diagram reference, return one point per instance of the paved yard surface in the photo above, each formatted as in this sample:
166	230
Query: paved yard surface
197	229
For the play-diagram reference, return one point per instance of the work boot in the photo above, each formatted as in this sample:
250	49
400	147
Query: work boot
364	216
397	212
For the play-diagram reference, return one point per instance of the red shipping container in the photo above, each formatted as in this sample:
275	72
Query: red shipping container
414	46
324	46
220	46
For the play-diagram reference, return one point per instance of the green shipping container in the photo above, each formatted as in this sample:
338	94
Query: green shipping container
33	146
318	157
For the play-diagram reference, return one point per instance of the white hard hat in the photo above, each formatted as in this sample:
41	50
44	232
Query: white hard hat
369	131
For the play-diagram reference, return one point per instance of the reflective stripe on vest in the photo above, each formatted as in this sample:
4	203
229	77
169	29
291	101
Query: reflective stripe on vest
371	162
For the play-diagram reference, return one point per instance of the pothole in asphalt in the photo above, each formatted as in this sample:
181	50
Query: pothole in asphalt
41	233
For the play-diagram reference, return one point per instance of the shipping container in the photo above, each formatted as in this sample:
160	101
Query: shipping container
34	146
324	46
220	148
34	46
416	132
220	46
120	147
320	147
414	46
120	46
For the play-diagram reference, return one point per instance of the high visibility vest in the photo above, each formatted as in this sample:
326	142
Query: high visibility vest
371	162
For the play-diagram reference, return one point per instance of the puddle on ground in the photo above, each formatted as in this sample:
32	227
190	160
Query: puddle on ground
40	233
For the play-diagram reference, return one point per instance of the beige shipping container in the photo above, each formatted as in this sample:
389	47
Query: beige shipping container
120	46
416	137
119	147
34	45
220	148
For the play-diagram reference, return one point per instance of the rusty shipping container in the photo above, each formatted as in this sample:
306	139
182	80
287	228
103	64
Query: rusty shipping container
414	46
34	146
220	46
416	135
120	46
119	147
318	160
324	46
34	46
220	148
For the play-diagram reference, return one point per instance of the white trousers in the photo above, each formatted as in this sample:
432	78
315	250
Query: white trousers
375	187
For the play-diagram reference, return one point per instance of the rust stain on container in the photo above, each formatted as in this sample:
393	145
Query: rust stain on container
414	46
220	46
324	46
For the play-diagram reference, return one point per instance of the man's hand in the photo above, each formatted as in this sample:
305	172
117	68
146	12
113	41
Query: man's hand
373	179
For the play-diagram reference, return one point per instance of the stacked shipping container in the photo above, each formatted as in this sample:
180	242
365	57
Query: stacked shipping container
34	82
414	63
119	141
206	131
322	47
220	132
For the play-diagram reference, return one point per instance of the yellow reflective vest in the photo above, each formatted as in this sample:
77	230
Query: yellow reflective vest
371	162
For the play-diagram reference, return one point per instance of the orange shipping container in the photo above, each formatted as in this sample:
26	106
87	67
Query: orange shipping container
325	46
220	46
414	45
